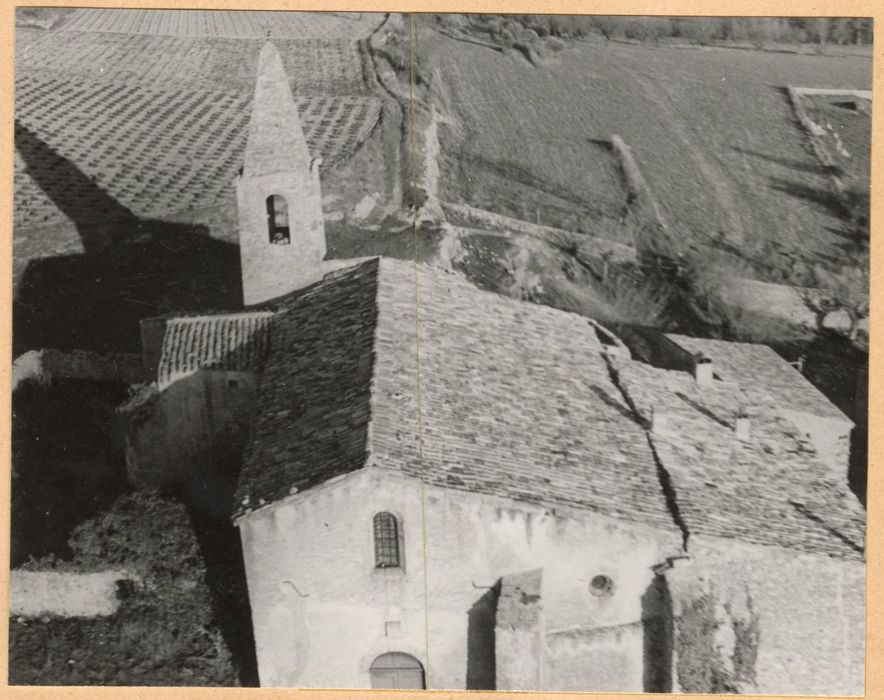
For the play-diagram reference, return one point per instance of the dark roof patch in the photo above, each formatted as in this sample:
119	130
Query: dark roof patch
312	411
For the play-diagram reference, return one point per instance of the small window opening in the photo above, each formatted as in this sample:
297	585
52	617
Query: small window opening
278	220
232	383
601	585
386	541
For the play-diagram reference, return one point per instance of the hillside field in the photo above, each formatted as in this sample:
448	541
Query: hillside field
131	126
711	129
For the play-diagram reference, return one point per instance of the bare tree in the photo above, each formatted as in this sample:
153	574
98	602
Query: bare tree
848	288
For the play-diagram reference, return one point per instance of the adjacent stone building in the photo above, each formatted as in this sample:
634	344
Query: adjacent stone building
442	487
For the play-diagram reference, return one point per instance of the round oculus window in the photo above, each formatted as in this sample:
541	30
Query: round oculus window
601	585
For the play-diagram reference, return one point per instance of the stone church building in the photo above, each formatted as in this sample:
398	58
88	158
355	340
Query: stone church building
440	487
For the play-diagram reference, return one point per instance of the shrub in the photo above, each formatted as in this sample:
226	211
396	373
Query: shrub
164	632
634	299
624	297
849	290
857	202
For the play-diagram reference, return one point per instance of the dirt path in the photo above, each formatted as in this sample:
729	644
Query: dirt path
432	208
451	250
379	72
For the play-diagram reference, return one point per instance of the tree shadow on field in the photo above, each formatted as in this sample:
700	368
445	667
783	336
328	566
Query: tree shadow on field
822	197
130	268
797	165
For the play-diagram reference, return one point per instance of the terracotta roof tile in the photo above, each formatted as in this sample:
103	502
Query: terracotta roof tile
516	401
224	341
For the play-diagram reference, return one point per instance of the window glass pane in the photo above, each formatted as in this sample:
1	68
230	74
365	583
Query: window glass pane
386	540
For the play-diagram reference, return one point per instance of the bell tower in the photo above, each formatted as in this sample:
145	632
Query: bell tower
281	232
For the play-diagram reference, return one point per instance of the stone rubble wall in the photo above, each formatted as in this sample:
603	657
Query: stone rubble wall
65	593
46	365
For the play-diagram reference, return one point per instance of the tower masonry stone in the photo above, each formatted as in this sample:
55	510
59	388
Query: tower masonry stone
281	232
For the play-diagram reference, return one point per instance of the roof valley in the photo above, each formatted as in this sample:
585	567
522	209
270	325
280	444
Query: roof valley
667	485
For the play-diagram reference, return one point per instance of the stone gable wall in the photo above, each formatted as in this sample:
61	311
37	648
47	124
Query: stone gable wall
322	612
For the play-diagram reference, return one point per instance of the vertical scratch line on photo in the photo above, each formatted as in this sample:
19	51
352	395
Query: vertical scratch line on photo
412	123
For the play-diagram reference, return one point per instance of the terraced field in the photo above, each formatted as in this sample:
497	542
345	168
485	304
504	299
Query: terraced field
314	65
712	131
186	155
158	123
218	23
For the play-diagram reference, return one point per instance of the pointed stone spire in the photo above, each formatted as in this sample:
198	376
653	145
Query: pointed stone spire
281	231
276	141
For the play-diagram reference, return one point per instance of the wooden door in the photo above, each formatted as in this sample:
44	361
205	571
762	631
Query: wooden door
397	671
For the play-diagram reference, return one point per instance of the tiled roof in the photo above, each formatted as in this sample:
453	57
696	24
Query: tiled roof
759	364
222	341
312	410
516	401
516	397
770	489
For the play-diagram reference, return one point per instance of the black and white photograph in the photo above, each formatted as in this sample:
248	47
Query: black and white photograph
440	351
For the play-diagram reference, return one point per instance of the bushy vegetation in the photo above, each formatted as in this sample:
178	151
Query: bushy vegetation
164	632
844	138
535	36
398	46
521	31
758	31
635	299
66	466
704	666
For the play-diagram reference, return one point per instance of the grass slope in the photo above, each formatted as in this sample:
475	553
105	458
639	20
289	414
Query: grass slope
711	129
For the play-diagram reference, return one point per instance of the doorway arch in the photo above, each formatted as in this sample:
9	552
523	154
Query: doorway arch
396	670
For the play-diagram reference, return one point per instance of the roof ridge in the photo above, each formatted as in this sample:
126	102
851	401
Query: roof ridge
372	383
223	315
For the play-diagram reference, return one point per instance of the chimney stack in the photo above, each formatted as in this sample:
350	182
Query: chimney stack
742	425
703	372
